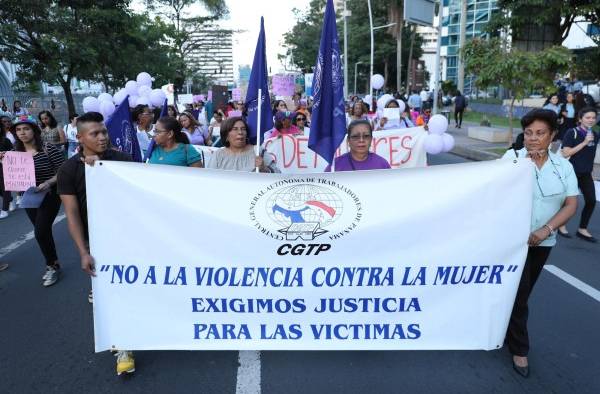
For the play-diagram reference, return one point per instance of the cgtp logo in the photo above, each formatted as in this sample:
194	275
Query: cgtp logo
305	210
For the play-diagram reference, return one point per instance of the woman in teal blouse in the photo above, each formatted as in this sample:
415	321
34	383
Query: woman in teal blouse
172	145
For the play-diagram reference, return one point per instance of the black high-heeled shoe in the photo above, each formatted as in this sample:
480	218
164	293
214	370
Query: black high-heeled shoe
523	371
565	234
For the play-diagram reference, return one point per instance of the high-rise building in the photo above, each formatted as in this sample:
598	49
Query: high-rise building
212	54
479	13
429	36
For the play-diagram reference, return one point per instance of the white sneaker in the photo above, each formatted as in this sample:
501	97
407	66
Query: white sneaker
12	206
3	214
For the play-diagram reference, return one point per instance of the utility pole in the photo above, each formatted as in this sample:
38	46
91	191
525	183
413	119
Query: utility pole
399	46
372	50
463	35
437	68
346	15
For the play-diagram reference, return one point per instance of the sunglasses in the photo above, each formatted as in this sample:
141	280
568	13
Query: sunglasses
302	119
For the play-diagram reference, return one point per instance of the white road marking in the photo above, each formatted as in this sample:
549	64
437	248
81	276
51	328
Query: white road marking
27	237
573	281
248	373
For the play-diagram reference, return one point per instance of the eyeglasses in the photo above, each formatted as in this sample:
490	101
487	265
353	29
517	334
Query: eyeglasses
538	133
358	137
300	119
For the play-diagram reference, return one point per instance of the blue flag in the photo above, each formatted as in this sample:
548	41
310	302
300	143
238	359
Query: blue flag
164	111
258	80
328	119
121	132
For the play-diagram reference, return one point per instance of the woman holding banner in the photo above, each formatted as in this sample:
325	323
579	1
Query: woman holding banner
172	145
554	202
47	159
238	154
359	137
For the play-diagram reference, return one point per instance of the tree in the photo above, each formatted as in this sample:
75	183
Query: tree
493	63
537	24
183	28
58	41
302	41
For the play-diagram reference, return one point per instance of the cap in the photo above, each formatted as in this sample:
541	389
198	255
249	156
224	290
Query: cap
21	119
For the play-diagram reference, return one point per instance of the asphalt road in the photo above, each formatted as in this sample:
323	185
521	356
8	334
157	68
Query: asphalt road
46	340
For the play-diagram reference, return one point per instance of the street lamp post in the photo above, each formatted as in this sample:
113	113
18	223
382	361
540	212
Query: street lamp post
373	43
347	13
356	74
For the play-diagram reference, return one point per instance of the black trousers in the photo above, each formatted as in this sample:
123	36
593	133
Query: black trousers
42	219
458	115
586	185
6	195
517	336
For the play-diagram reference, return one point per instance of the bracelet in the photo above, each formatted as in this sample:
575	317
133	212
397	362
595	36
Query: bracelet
549	228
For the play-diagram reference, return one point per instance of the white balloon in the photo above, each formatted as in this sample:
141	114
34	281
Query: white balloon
91	104
401	105
105	97
383	100
133	101
377	81
131	87
144	79
368	100
144	90
119	96
157	97
448	142
107	108
142	100
434	144
438	124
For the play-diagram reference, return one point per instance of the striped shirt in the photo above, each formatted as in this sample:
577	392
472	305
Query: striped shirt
46	163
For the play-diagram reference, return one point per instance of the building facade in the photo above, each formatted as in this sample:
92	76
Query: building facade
479	13
212	54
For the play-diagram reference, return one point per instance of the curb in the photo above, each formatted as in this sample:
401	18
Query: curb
473	154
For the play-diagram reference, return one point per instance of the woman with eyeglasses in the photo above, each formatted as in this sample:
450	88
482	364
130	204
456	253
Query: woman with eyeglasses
143	117
172	145
299	120
359	137
554	202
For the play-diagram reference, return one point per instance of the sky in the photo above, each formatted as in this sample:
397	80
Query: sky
244	16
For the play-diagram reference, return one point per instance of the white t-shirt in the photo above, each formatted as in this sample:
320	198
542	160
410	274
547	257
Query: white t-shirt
71	133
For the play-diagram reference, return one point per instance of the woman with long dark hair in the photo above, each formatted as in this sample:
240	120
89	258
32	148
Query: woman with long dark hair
579	146
51	132
192	129
172	145
18	109
47	160
5	145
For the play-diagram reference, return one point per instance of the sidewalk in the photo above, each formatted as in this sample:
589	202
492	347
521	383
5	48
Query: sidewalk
478	150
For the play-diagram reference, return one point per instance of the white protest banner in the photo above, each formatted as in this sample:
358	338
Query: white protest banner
400	147
18	171
426	258
185	98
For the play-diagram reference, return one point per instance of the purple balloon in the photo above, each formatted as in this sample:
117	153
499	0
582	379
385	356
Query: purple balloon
434	144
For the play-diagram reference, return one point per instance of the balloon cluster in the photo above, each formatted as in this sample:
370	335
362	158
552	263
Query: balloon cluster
140	93
438	140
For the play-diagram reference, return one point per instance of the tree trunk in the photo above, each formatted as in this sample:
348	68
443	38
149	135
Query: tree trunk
410	55
510	121
385	74
66	85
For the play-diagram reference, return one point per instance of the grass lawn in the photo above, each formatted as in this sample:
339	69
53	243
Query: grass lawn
498	121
